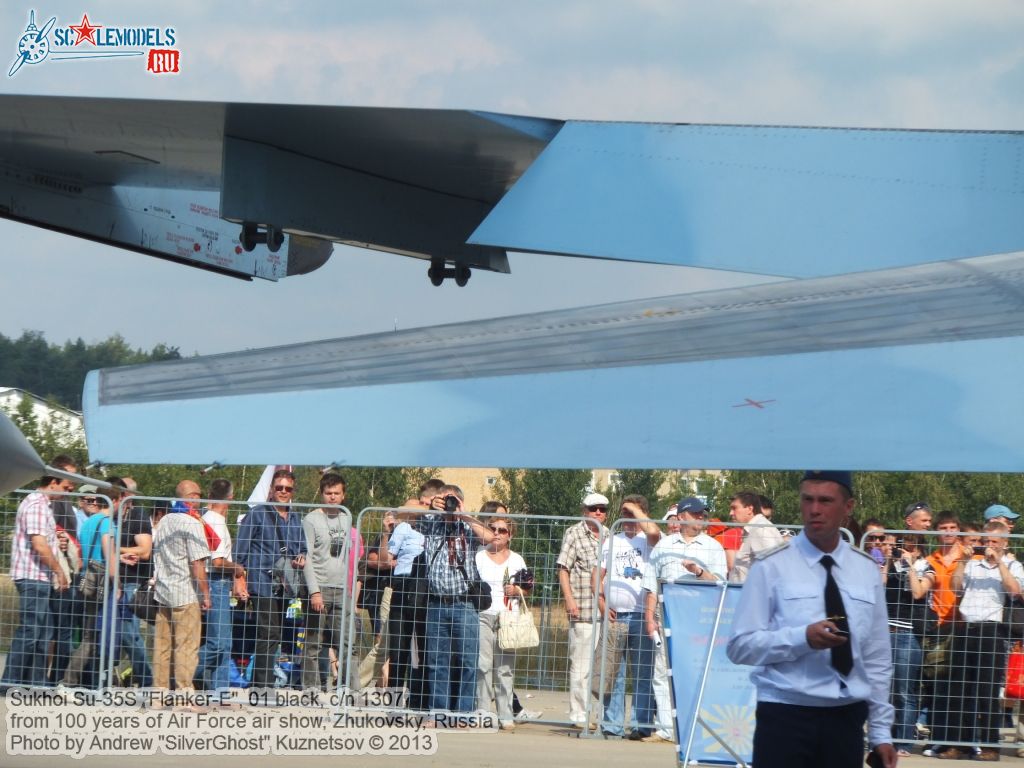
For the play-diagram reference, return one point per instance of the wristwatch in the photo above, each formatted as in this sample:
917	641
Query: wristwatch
701	573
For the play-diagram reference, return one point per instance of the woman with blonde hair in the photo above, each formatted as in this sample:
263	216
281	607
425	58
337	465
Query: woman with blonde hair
501	568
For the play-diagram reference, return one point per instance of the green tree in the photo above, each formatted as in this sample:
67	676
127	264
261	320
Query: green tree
58	371
646	482
51	436
544	492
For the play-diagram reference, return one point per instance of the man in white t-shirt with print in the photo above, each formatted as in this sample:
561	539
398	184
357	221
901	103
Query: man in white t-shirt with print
621	601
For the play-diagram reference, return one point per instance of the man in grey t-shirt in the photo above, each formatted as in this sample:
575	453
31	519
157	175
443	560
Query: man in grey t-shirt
327	532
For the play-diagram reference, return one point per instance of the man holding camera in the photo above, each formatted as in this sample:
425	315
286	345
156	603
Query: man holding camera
970	711
271	543
451	540
326	532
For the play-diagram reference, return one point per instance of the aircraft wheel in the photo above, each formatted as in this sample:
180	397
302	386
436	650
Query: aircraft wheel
436	273
248	236
275	238
462	275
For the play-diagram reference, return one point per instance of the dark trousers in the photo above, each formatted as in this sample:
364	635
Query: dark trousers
66	612
967	702
406	621
791	736
269	613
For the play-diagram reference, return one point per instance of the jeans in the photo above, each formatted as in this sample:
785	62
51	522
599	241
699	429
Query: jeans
215	654
906	684
26	661
130	641
453	647
612	722
627	641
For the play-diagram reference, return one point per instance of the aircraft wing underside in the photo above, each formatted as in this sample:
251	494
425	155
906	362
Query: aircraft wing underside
911	368
462	188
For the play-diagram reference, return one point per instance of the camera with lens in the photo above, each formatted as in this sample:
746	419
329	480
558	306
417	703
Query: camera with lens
337	544
980	550
451	503
276	589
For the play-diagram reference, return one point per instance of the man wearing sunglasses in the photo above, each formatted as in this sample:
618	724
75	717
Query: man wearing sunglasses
35	572
270	539
576	563
908	578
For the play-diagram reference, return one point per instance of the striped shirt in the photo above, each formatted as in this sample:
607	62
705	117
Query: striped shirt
178	540
34	518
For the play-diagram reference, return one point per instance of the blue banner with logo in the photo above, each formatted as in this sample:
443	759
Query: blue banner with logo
729	700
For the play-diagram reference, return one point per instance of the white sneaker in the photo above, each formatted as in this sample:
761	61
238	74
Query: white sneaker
531	714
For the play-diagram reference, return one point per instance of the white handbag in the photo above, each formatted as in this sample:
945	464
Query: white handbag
517	630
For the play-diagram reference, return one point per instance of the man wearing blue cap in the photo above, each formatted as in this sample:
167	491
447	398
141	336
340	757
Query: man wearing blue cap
812	619
1001	514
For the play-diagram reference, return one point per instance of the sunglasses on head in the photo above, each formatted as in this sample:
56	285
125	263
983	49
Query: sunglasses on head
284	488
498	530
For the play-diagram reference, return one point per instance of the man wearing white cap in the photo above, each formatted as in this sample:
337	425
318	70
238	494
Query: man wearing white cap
576	562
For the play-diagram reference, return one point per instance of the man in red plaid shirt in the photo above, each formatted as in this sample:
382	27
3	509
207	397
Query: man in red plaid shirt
35	573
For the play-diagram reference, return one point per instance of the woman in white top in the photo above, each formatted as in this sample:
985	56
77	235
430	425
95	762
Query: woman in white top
497	565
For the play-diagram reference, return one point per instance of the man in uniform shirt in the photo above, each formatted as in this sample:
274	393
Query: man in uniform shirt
812	619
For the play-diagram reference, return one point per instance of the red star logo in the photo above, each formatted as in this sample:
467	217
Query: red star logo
85	30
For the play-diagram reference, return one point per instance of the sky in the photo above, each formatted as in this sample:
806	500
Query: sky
871	63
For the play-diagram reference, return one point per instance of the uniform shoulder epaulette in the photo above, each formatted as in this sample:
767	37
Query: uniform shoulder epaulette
771	551
862	553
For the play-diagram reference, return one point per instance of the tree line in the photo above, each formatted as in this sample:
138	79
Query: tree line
57	371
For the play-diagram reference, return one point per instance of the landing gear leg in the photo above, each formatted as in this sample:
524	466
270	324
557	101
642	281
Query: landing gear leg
251	236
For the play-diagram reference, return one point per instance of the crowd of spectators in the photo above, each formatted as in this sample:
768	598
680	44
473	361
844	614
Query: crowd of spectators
948	585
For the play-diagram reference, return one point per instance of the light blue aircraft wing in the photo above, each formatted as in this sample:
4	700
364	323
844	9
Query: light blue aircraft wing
914	368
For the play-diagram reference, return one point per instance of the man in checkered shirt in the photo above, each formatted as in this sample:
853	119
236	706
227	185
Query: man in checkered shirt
180	552
35	572
576	564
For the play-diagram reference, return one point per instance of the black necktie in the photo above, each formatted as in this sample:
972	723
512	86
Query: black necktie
842	655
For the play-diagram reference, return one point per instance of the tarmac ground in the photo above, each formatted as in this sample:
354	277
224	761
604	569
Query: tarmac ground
533	744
